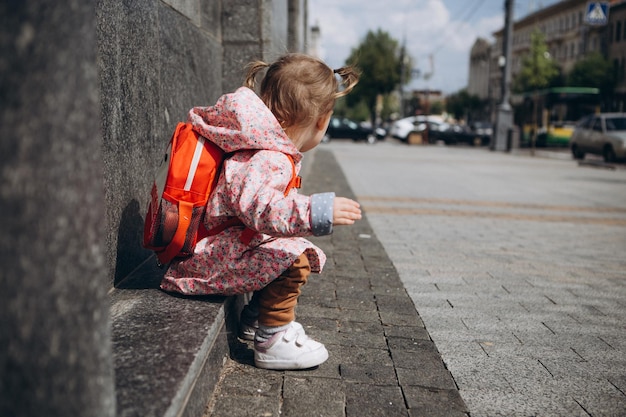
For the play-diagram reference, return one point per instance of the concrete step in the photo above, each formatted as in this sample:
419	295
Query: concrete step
168	350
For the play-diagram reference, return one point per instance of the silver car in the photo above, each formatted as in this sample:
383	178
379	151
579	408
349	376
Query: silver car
600	134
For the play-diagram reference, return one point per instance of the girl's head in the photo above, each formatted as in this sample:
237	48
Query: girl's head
300	91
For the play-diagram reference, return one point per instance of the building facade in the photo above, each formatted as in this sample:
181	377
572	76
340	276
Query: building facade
480	62
617	52
569	38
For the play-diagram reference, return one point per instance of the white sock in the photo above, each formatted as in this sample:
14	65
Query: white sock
264	333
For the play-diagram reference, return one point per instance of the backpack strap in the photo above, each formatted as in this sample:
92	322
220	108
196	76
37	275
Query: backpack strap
296	180
172	250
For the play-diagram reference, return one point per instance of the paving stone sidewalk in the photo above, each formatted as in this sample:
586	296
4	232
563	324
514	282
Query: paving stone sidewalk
382	360
516	266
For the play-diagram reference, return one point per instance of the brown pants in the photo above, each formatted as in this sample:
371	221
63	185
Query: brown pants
277	301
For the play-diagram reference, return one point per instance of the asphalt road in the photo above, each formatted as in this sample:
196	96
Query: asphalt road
516	265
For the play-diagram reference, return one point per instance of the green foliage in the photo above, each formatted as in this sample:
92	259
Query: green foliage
436	107
359	113
538	70
341	108
379	59
463	104
593	71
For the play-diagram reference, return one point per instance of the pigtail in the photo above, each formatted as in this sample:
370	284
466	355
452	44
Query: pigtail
253	69
349	78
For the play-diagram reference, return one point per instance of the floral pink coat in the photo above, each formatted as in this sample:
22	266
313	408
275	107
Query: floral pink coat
251	187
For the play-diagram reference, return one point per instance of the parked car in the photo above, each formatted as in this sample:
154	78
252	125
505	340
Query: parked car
379	131
437	131
401	128
342	128
457	133
482	130
600	134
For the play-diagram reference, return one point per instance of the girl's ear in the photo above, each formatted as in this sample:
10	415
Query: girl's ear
322	122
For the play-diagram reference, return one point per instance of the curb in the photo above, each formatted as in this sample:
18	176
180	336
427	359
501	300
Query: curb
382	359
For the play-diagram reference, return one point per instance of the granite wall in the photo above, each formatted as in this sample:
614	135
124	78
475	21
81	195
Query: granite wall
55	354
157	60
89	93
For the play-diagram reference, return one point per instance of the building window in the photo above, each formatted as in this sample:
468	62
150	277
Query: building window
618	31
624	37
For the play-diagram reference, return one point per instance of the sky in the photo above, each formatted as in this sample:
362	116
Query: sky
443	29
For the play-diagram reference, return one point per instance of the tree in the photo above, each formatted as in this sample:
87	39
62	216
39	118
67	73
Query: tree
594	71
379	59
538	70
464	105
436	107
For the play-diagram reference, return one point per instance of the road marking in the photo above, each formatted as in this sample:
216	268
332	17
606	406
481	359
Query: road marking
490	214
499	204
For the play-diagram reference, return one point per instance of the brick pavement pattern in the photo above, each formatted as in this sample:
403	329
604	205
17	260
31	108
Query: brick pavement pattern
516	265
382	359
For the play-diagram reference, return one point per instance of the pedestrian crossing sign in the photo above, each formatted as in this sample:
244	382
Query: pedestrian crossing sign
597	13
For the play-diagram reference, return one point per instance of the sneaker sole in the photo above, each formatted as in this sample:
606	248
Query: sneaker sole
309	360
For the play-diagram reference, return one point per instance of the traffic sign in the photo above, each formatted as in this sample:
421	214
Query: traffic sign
597	13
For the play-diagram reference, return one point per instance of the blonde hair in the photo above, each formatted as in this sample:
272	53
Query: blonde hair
298	88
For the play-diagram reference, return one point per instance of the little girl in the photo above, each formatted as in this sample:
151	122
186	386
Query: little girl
291	115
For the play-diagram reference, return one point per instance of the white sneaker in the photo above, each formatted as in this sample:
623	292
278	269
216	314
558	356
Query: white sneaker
289	349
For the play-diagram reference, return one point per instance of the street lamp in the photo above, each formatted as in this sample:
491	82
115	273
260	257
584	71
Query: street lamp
504	118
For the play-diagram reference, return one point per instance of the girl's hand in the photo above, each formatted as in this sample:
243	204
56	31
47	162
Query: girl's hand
345	211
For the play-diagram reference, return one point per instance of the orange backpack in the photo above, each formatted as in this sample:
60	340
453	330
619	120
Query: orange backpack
182	186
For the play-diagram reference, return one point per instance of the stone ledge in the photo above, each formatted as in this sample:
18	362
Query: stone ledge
168	350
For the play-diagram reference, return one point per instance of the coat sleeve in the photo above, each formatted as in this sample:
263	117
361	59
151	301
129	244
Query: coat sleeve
255	191
322	213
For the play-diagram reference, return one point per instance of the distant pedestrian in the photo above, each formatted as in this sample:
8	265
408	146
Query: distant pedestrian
288	117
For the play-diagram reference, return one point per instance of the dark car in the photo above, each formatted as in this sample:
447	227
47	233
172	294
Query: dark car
342	128
482	131
456	133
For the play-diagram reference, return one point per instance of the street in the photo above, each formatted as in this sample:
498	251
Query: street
516	265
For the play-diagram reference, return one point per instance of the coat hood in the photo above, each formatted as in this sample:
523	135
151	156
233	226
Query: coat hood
241	121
